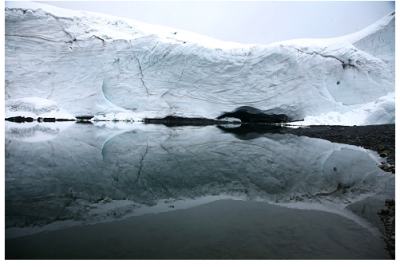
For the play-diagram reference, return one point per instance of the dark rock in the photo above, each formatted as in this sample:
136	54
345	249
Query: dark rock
388	217
49	119
64	119
392	253
390	202
384	210
20	119
386	167
252	115
84	117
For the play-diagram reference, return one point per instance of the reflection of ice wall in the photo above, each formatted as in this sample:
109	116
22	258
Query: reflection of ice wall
34	131
92	64
90	173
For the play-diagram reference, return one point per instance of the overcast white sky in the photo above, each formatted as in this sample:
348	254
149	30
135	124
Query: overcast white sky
248	22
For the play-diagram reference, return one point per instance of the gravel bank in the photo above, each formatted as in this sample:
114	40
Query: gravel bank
380	138
388	216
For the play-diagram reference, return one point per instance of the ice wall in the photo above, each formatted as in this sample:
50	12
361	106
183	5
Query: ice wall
93	64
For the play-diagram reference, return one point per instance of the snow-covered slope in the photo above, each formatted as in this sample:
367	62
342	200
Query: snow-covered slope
94	64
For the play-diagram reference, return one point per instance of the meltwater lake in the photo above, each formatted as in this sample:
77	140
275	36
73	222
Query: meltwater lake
120	190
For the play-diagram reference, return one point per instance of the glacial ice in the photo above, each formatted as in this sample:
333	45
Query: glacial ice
91	64
35	107
381	111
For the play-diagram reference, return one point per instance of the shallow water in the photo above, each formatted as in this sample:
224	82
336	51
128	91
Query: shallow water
224	229
130	190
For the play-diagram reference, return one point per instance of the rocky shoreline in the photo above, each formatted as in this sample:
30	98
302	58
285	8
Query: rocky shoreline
380	138
387	215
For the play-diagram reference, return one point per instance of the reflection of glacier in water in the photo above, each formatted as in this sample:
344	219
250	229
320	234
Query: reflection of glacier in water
99	173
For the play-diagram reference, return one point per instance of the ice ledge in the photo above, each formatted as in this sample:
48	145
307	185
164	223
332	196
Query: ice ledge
35	107
381	111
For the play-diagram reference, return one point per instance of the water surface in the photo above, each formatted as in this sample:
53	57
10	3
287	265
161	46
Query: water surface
130	190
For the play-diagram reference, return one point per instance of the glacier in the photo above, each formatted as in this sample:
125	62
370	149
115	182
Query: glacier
67	64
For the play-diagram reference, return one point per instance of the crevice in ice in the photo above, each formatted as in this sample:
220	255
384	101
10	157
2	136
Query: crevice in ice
141	73
116	179
151	51
141	163
180	168
151	191
245	60
102	91
97	37
168	52
343	63
171	47
51	93
180	77
73	38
